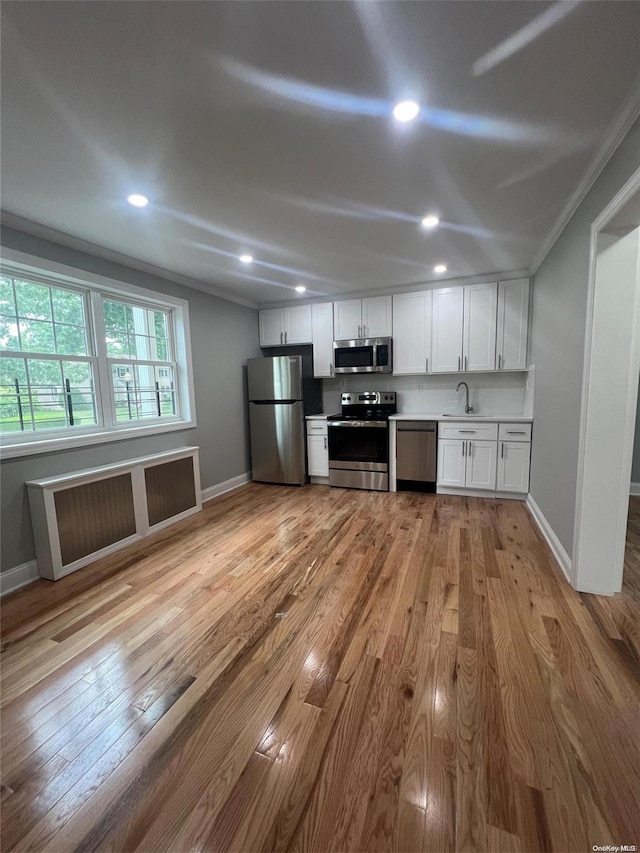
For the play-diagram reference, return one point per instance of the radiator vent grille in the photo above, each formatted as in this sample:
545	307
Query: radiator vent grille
170	489
94	515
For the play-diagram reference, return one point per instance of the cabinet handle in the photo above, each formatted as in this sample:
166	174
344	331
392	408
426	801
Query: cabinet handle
364	331
427	365
359	332
281	335
516	432
325	442
472	431
458	364
463	447
499	362
502	450
285	337
469	453
466	363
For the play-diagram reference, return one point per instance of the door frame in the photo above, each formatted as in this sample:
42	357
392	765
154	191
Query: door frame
620	432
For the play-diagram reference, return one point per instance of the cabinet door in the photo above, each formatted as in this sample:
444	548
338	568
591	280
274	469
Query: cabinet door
446	339
513	324
317	456
322	339
481	464
271	327
376	317
412	332
347	319
451	462
513	466
297	325
479	347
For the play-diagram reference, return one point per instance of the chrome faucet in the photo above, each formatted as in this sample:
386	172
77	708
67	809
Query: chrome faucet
467	407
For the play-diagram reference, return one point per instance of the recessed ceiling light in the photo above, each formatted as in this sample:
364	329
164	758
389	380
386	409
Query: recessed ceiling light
246	259
300	288
138	200
430	221
405	111
440	268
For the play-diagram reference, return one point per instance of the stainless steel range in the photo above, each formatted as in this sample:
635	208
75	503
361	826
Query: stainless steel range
359	440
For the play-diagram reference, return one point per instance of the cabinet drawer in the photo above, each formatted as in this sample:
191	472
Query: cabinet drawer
514	432
468	430
316	428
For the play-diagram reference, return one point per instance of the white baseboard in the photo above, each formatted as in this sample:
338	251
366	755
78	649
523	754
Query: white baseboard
225	486
18	577
479	493
634	489
562	558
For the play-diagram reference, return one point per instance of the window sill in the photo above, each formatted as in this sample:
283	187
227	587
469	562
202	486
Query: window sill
70	442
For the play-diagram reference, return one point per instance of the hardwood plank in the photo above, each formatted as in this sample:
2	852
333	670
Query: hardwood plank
315	669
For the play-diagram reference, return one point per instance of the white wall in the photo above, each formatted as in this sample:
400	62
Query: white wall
497	393
557	347
223	336
635	467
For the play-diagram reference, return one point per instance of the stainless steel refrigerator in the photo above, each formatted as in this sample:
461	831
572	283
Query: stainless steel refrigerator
276	419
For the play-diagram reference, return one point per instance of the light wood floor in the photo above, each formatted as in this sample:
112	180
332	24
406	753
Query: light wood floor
631	575
321	669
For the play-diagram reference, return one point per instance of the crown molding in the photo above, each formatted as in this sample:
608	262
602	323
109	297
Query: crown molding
627	115
44	232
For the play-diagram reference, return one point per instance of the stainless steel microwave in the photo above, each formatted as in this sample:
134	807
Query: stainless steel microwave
363	355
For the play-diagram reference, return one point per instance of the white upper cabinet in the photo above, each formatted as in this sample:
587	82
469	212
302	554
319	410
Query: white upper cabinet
464	328
376	317
322	339
362	318
412	332
479	340
446	342
513	324
279	326
347	319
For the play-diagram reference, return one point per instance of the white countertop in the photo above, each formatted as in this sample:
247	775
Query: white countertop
493	419
316	417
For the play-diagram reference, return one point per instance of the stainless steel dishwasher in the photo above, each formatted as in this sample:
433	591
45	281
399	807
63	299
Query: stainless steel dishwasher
416	455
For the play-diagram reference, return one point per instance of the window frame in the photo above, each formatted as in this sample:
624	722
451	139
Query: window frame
96	289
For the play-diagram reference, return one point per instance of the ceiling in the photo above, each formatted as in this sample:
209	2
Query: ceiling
266	128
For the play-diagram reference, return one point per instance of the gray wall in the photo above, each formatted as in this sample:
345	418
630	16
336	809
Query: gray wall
557	347
223	336
635	465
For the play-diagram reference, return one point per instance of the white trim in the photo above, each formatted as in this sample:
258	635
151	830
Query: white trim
616	132
18	577
225	486
44	232
479	493
634	489
557	549
624	195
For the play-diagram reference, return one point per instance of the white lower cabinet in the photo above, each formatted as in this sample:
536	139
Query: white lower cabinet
467	464
513	466
484	456
317	449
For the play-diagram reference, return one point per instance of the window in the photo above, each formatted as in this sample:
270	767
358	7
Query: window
88	359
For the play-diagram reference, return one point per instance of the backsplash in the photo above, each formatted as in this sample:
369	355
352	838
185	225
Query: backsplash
489	393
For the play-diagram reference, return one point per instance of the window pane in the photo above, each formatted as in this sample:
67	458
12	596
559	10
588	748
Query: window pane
15	413
36	336
7	302
136	332
68	307
143	391
33	300
160	324
9	333
46	393
81	399
118	319
70	340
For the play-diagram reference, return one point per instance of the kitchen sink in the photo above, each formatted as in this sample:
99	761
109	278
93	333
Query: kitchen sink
471	416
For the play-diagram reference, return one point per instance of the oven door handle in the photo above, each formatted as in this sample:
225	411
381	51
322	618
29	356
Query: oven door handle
375	424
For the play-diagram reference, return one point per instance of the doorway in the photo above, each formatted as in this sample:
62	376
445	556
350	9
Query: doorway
609	395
